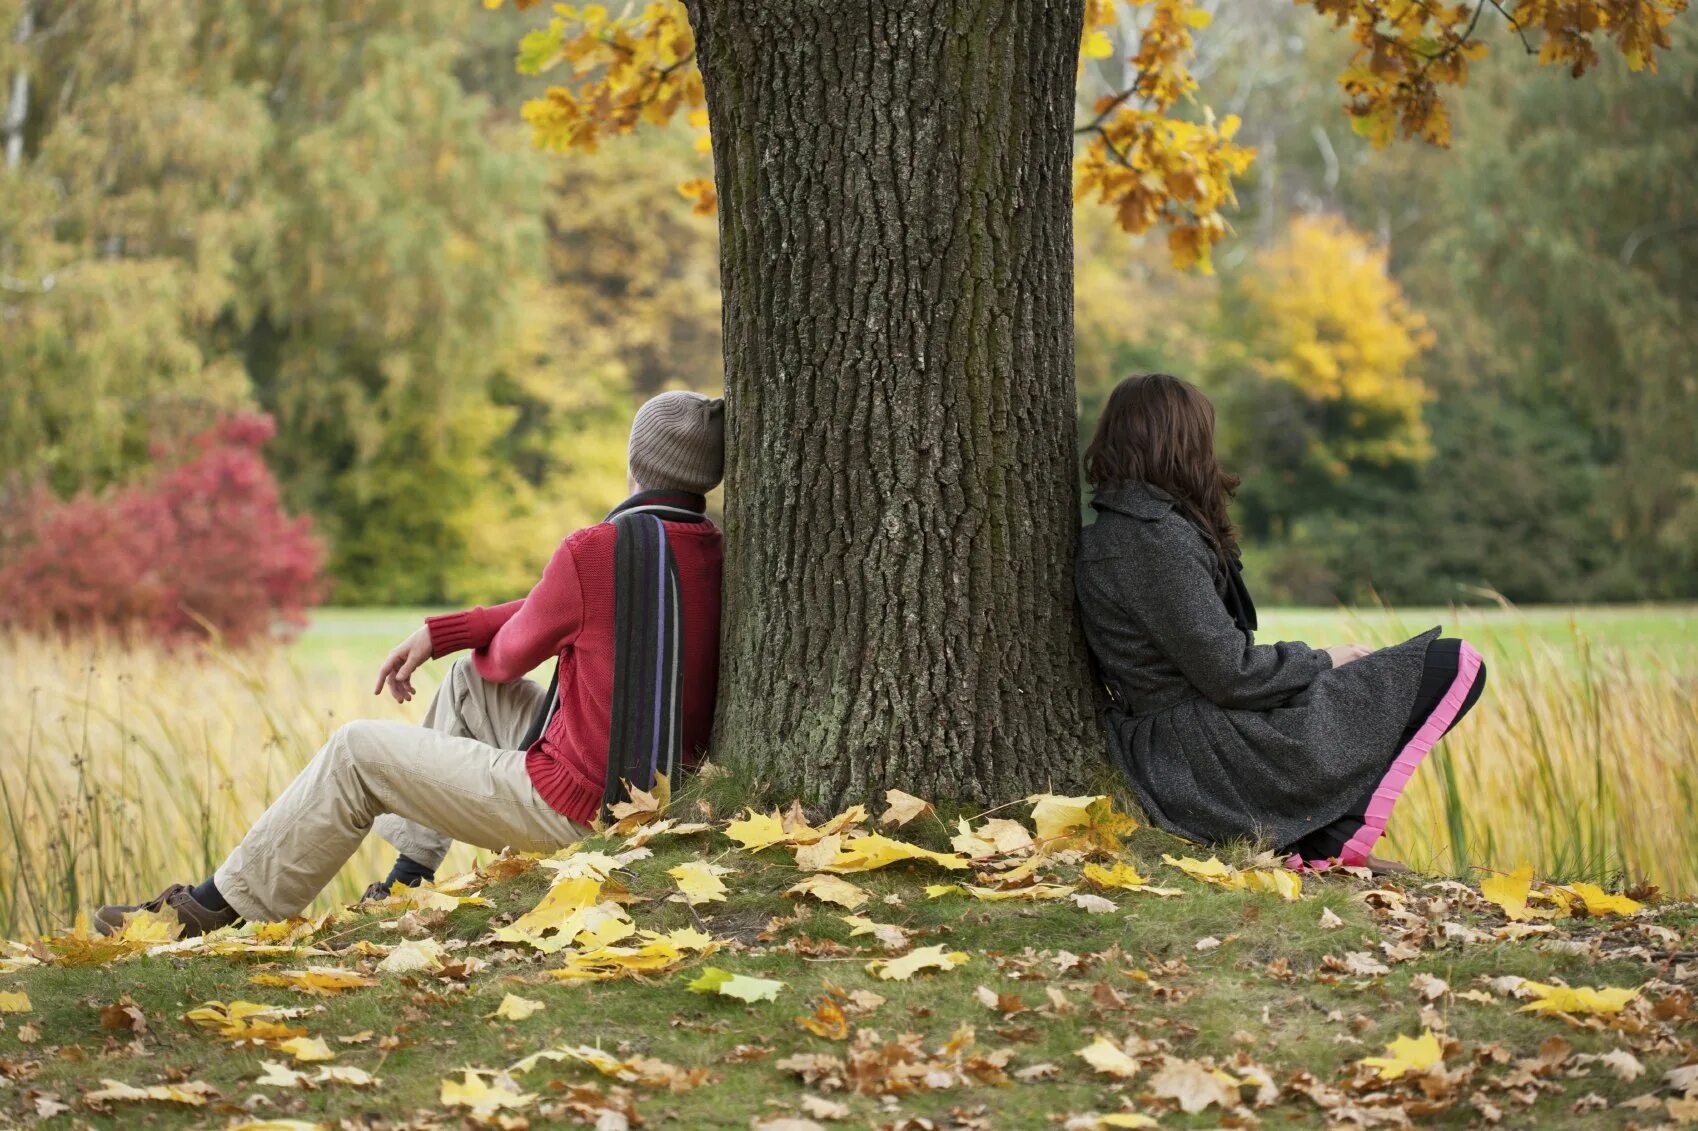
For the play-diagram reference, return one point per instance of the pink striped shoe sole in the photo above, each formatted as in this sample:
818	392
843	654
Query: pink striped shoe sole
1411	756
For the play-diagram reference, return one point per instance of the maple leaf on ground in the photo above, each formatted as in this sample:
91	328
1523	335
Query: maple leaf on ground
1278	880
323	981
832	889
1194	1086
1118	875
891	935
757	830
643	808
902	808
276	1074
1407	1054
413	955
142	930
484	1098
245	1021
1029	893
277	1125
1576	999
14	1002
1086	822
1109	1058
570	907
827	1020
995	836
1511	891
307	1049
923	958
866	852
1599	902
516	1008
713	980
191	1092
699	881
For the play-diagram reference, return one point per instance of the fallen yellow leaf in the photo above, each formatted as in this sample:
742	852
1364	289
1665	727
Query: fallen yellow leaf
832	889
922	958
1117	875
1577	999
516	1008
902	808
14	1002
1280	881
1193	1085
1600	902
873	850
320	980
413	955
1407	1054
191	1092
699	881
757	830
1107	1057
485	1098
307	1049
1511	892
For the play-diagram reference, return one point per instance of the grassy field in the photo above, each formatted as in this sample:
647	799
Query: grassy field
121	771
1203	1007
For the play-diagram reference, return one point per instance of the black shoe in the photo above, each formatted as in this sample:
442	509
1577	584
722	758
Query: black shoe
197	920
375	892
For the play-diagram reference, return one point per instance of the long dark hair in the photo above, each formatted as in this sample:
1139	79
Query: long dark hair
1160	430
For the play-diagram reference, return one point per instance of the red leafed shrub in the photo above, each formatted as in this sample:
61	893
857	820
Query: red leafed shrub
202	538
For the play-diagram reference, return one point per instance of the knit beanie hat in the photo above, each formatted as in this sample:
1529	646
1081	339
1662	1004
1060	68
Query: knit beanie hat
678	441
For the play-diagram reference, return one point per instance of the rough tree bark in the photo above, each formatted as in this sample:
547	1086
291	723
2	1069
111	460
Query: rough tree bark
901	488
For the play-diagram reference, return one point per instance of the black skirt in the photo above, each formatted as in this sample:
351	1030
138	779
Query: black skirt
1451	683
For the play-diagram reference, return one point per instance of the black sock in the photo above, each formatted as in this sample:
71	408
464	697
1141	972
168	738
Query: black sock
408	872
206	894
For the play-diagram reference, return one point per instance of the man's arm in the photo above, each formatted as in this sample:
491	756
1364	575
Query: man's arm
510	640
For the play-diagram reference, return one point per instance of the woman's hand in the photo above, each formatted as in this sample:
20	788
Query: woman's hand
1344	653
403	661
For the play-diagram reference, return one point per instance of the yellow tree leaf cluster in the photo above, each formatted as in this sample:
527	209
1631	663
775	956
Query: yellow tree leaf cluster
1151	156
1406	52
623	71
1146	162
1326	317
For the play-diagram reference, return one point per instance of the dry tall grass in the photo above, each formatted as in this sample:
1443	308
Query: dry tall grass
124	769
1578	759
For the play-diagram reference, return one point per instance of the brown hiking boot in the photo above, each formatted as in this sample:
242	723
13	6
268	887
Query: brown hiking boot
196	919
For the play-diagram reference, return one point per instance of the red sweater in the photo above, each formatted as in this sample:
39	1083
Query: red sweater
569	613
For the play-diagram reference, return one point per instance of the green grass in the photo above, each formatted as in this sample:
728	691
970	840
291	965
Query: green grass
359	638
1662	636
1216	1003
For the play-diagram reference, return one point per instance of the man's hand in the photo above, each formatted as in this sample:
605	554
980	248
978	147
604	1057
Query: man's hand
1344	653
403	661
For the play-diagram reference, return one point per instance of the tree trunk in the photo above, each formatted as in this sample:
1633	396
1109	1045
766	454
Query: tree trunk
901	487
17	106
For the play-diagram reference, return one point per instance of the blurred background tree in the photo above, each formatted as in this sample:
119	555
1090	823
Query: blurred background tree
1441	370
322	211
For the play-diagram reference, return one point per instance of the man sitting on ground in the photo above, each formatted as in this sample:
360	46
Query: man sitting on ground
629	606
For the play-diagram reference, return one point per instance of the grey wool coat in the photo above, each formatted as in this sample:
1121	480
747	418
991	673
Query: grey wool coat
1220	737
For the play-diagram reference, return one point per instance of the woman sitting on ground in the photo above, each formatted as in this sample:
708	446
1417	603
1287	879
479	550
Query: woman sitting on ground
1221	738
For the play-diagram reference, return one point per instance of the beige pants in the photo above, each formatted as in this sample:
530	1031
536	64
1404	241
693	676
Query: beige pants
420	788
